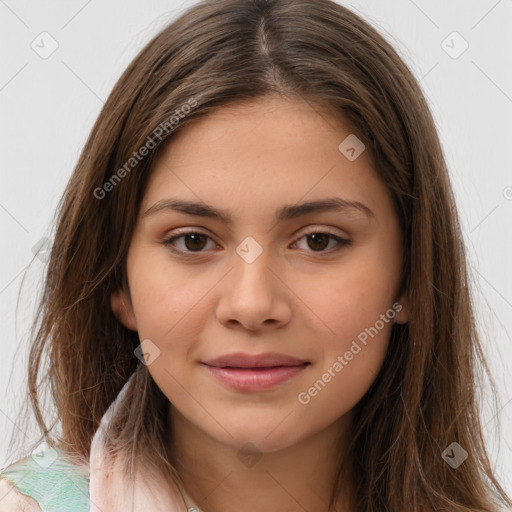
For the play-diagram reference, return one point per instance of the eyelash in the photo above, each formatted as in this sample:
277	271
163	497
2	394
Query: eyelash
342	242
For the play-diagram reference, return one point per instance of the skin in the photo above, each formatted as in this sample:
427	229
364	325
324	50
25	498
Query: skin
298	298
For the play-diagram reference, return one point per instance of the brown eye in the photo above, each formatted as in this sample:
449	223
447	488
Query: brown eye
318	241
195	241
192	242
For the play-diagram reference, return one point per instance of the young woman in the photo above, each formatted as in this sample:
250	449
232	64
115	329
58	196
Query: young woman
257	295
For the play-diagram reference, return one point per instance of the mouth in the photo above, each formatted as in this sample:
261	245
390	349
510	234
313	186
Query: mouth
256	378
253	361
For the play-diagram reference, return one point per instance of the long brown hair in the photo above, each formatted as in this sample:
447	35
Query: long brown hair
217	52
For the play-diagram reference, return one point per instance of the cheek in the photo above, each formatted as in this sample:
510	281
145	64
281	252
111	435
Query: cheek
166	299
353	314
360	319
348	298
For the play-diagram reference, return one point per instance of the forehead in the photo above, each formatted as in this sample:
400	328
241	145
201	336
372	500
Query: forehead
271	150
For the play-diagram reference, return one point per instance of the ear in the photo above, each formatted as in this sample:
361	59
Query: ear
401	307
123	309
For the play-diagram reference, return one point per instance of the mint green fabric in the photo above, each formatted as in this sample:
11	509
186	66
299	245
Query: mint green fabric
52	480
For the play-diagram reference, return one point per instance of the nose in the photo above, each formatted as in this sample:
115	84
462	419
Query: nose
254	296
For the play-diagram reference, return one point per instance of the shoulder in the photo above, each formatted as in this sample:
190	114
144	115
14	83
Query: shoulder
48	480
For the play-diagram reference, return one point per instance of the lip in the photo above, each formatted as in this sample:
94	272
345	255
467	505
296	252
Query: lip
265	360
255	379
246	372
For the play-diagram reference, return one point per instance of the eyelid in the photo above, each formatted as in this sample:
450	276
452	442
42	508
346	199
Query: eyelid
320	229
306	231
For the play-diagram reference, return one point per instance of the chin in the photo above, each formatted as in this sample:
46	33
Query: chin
262	438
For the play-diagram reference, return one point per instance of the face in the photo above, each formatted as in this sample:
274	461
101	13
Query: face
315	284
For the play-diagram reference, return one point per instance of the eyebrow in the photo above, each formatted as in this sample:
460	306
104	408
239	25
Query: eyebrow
287	212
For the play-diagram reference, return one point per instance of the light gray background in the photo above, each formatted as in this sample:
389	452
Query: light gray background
48	107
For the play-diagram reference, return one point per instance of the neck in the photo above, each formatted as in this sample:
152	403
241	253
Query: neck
224	478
